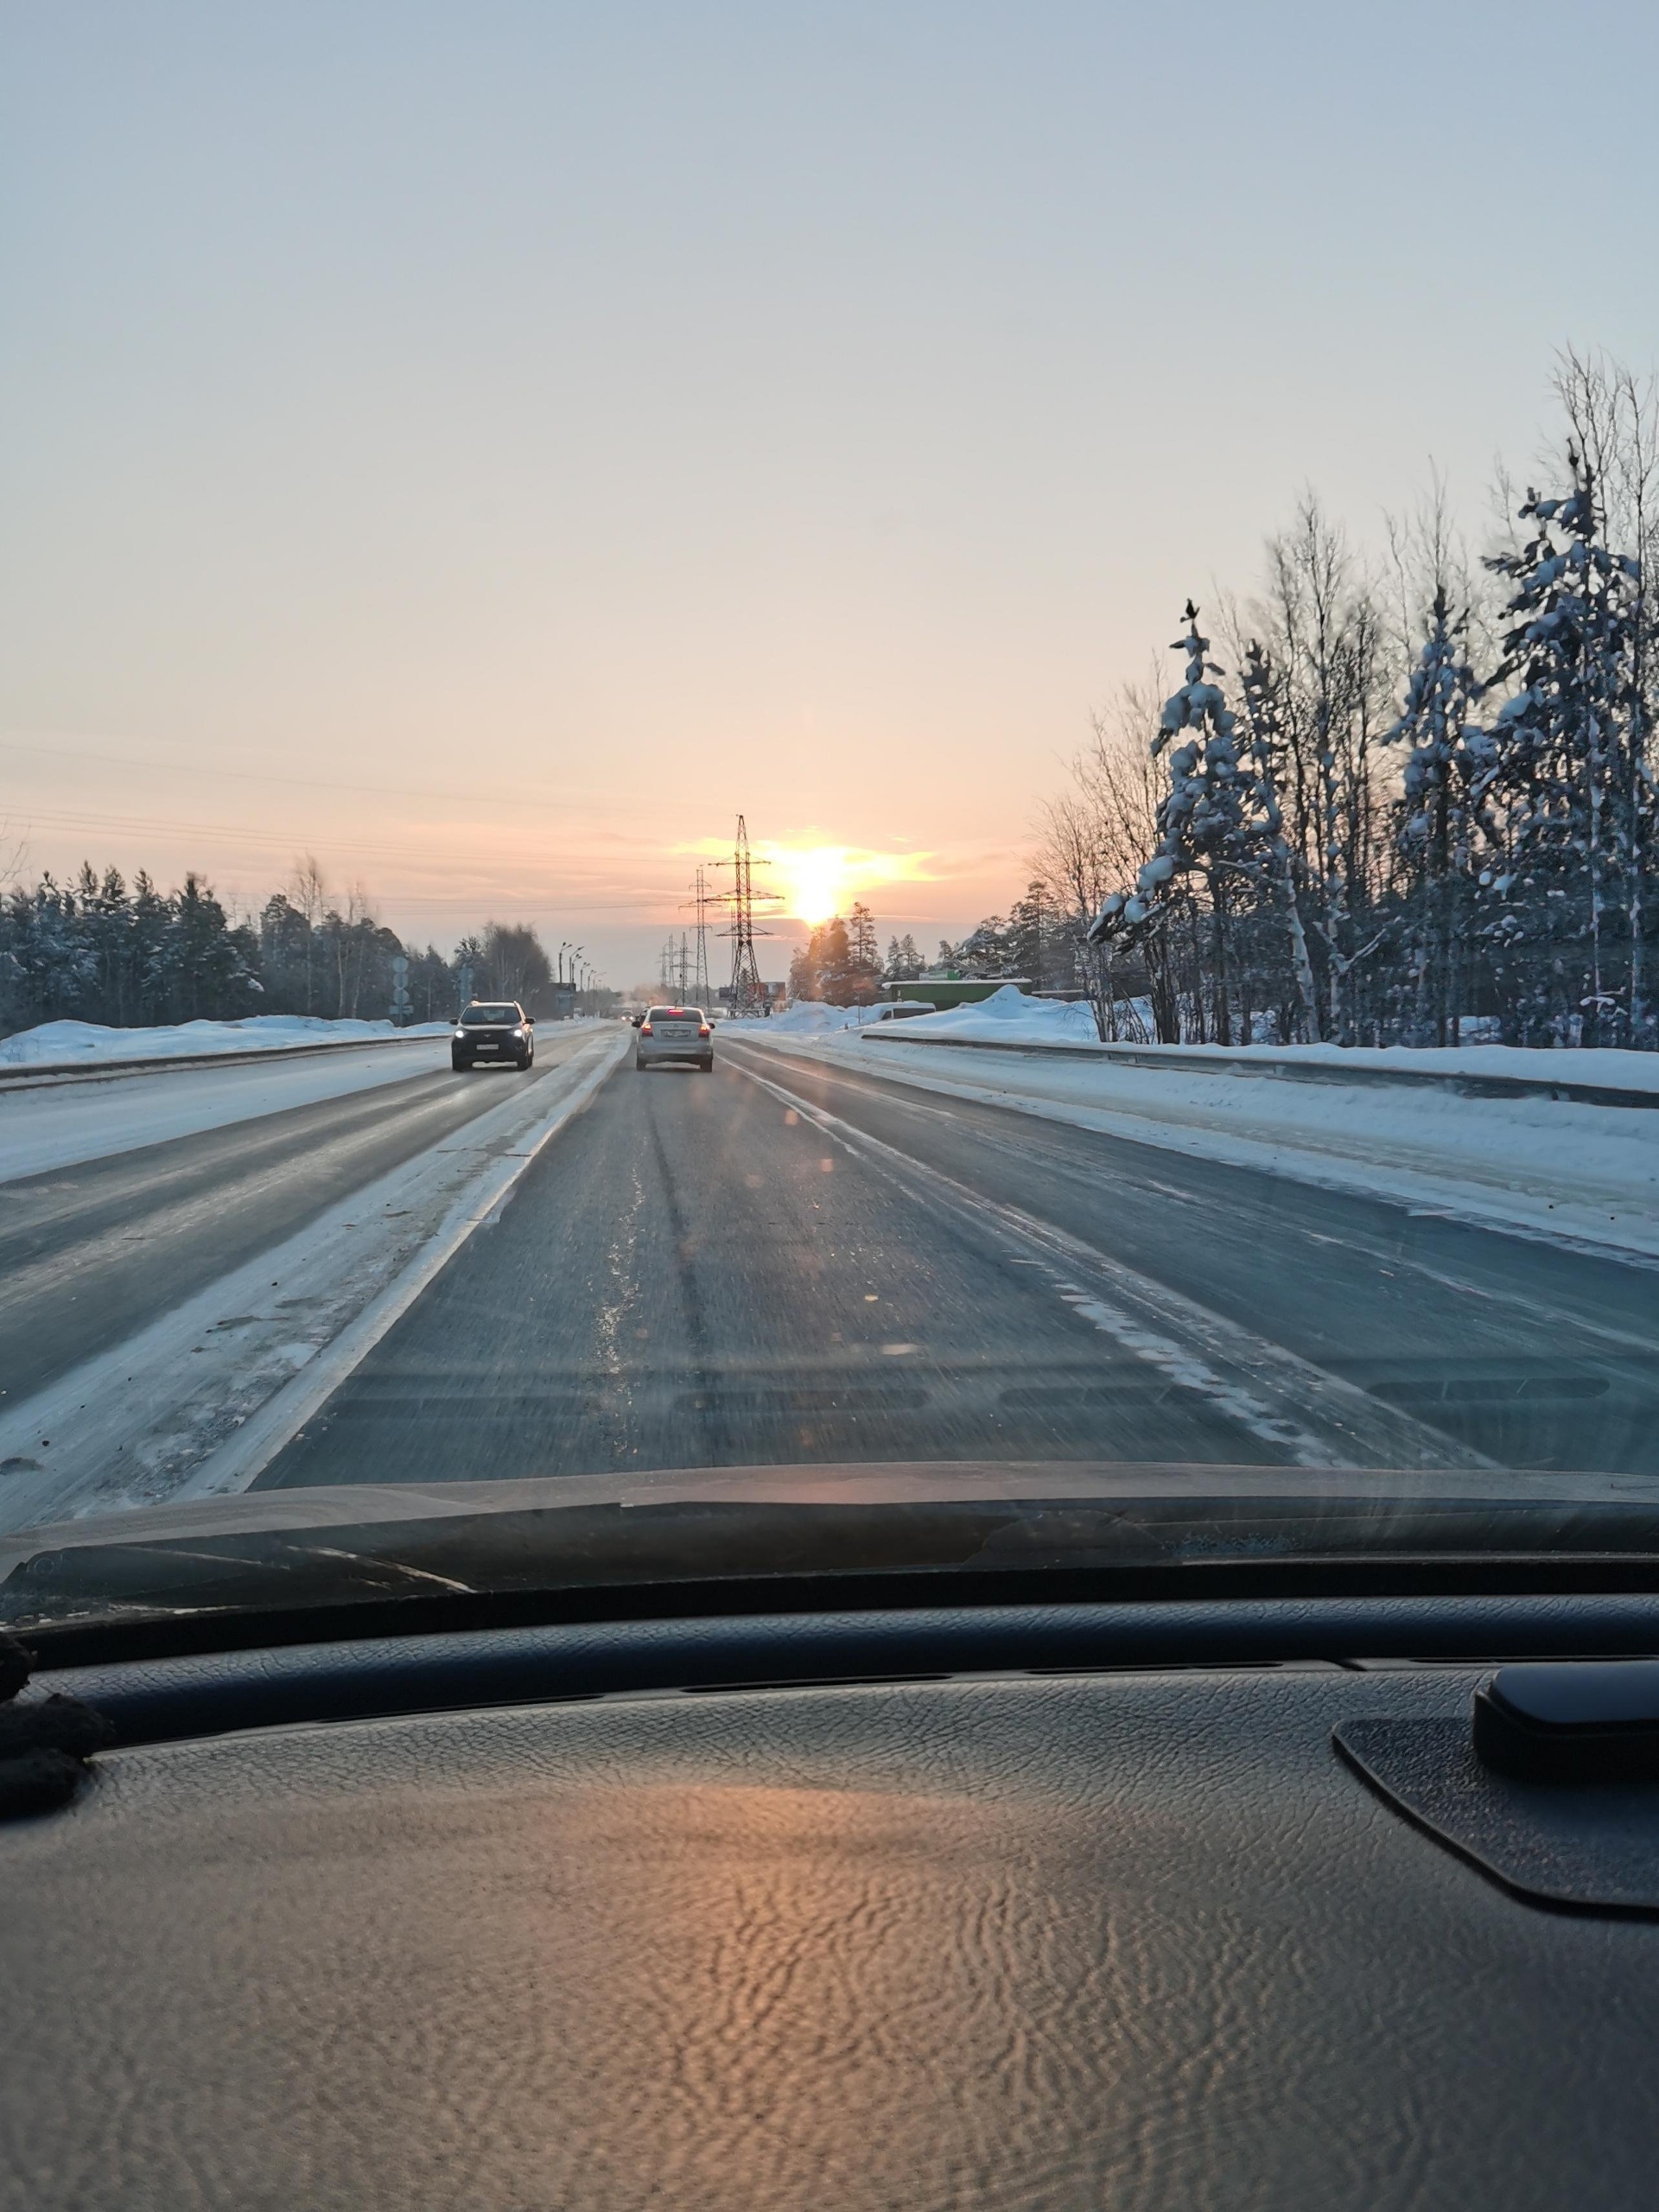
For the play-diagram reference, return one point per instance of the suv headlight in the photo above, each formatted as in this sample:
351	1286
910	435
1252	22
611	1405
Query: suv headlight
460	1036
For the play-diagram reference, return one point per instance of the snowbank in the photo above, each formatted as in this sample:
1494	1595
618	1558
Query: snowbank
1585	1174
809	1018
1009	1017
1616	1071
61	1041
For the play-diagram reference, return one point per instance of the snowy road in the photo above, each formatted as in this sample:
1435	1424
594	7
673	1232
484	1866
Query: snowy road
152	1295
62	1126
438	1279
796	1262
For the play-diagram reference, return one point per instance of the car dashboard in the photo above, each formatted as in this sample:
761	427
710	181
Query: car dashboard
1000	1907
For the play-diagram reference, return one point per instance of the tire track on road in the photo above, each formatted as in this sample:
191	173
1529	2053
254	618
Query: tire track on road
1270	1391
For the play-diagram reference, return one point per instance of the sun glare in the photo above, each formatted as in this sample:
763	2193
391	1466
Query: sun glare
816	883
812	882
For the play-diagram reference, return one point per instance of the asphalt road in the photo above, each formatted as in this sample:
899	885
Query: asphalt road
91	1250
791	1262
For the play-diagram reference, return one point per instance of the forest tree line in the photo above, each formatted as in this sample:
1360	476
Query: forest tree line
101	950
1406	803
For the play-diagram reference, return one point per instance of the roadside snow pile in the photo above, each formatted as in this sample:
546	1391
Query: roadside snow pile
1616	1070
1552	1167
60	1041
812	1018
1009	1017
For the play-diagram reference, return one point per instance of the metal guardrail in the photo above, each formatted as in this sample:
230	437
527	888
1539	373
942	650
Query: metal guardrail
1464	1085
43	1073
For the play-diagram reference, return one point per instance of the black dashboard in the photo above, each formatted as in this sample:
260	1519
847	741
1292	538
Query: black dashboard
775	1913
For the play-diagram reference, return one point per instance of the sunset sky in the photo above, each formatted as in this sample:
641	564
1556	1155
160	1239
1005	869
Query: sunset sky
490	445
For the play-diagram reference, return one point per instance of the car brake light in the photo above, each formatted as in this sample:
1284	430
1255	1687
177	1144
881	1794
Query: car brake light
702	1029
645	1029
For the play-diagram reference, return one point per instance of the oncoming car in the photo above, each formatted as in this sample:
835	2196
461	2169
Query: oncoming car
675	1033
495	1031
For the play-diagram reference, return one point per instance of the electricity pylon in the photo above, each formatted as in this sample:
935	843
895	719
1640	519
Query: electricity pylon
701	898
749	992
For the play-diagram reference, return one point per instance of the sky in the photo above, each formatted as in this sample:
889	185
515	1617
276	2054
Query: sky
491	445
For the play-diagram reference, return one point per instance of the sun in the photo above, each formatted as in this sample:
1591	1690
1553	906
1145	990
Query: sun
809	883
815	882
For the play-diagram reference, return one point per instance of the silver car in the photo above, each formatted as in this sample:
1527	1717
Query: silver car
675	1033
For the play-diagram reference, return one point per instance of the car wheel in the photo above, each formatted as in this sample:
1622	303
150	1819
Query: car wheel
707	1067
459	1064
638	1064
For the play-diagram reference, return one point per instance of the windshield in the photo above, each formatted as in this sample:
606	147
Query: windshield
1037	744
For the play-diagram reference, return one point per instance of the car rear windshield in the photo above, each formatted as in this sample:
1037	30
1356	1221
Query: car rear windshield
675	1014
481	1015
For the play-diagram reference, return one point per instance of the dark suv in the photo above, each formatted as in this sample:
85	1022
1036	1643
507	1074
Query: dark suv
493	1032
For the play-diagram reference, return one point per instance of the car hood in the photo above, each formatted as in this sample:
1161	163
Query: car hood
738	1527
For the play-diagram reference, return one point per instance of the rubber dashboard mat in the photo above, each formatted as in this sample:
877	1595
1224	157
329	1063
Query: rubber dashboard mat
1578	1848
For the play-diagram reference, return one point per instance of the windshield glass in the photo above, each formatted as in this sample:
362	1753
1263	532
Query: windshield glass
1040	743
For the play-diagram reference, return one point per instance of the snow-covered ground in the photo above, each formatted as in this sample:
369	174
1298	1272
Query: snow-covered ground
807	1018
60	1127
1584	1173
200	1398
41	1129
75	1043
1009	1017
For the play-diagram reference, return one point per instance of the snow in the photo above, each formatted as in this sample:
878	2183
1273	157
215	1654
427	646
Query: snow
1584	1174
1613	1070
62	1125
93	1044
136	1424
1010	1017
807	1018
45	1127
1007	1015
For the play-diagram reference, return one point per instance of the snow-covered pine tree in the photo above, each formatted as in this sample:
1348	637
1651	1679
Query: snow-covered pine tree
1434	822
1206	827
1557	770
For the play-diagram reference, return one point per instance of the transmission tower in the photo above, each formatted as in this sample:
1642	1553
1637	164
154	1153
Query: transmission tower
749	992
701	983
703	899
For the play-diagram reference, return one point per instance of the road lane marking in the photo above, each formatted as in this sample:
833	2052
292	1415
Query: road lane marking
1320	1165
239	1463
883	1088
135	1424
1272	1392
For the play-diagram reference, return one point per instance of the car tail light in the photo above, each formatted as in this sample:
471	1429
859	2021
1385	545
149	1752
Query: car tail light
702	1029
645	1029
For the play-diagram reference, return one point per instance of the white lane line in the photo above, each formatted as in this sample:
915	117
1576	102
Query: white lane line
1305	1156
867	1082
133	1425
1299	1408
240	1461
